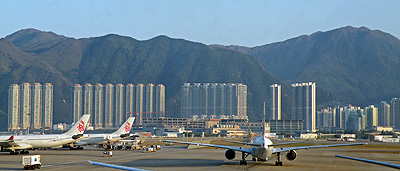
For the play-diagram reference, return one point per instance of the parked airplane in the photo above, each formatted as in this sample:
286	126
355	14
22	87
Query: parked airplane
262	149
99	139
397	166
22	143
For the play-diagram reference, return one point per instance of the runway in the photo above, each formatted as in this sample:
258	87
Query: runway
180	158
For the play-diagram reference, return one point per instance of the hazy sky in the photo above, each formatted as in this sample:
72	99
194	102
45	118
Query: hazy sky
248	22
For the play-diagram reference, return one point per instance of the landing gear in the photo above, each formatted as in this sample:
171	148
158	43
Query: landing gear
24	152
14	153
278	158
243	161
76	148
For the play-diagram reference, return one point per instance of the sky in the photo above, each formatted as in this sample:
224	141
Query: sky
226	22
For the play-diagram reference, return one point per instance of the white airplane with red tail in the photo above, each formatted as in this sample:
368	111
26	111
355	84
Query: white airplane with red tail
100	139
19	144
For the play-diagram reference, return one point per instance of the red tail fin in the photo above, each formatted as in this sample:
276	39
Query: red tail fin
11	138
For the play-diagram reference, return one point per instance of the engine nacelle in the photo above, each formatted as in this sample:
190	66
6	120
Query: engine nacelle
230	154
291	155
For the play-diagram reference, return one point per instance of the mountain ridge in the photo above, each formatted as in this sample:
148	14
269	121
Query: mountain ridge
351	63
120	59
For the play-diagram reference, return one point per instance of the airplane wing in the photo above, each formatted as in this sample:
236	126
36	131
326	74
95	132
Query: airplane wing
258	145
244	143
278	150
241	149
115	166
397	166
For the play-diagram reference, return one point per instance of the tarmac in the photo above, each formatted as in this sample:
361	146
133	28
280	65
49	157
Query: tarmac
180	158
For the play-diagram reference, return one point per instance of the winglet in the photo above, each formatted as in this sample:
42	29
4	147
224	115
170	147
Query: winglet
126	127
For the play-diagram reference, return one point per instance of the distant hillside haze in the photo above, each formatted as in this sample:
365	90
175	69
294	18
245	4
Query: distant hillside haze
357	65
31	55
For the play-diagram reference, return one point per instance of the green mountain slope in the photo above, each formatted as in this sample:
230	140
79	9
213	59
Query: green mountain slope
118	59
358	65
19	67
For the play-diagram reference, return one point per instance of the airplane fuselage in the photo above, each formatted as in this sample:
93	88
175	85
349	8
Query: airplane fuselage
96	139
39	141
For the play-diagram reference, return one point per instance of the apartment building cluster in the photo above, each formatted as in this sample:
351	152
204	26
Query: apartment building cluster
214	100
357	118
30	106
303	105
110	105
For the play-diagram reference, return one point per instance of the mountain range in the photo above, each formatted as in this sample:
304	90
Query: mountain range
357	65
349	65
31	55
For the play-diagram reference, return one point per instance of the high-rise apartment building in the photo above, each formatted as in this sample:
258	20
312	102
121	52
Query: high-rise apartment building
109	106
139	108
37	106
112	104
30	106
13	107
372	116
275	102
77	109
395	113
149	98
120	114
326	118
160	100
99	106
383	114
213	100
25	115
47	115
88	100
304	104
130	97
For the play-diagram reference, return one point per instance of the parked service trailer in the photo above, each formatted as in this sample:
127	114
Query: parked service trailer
31	162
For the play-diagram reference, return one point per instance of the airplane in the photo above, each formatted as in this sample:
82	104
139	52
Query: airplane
100	139
262	149
22	143
397	166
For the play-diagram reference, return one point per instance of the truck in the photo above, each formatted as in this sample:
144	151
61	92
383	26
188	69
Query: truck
31	162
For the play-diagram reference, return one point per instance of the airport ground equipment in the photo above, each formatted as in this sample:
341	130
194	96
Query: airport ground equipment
31	162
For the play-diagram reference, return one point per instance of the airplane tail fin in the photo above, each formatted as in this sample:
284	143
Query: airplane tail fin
80	126
126	127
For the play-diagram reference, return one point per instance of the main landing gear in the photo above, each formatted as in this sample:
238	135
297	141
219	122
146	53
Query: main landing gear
16	152
243	161
278	158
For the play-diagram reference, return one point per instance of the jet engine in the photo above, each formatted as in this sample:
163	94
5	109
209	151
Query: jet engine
291	155
230	154
77	136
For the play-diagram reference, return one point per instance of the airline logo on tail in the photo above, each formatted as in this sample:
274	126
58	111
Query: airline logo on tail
127	127
81	127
